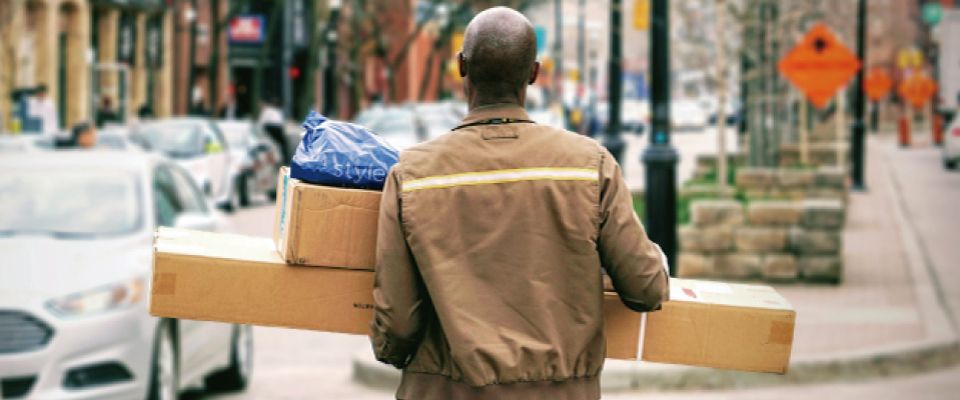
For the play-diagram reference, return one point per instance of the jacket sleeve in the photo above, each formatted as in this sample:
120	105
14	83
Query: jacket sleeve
636	265
398	292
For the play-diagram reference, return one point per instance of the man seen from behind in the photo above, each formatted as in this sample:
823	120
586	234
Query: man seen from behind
493	240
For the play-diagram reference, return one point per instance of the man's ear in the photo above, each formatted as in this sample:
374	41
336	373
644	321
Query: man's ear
461	65
535	72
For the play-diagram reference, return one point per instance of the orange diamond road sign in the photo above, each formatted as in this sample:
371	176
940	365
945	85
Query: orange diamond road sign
917	89
877	84
820	65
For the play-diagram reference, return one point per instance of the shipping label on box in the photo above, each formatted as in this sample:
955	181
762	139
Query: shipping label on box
721	325
239	279
326	226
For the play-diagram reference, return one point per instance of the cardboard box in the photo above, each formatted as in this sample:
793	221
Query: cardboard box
239	279
721	325
325	226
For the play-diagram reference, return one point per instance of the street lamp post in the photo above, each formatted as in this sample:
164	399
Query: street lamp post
581	43
329	70
558	50
660	157
613	140
857	147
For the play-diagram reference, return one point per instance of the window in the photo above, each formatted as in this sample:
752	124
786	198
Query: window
166	202
175	194
190	197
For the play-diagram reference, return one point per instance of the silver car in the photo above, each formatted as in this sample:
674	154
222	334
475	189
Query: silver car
951	144
197	145
255	161
76	232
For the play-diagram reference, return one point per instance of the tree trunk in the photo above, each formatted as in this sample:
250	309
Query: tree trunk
721	25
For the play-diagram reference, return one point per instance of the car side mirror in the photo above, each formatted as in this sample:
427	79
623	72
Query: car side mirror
195	221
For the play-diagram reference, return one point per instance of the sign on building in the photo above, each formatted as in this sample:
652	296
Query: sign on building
247	29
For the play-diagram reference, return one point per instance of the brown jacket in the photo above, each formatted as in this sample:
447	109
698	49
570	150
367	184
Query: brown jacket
491	244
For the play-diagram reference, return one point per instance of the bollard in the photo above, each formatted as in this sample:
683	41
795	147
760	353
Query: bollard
937	127
903	131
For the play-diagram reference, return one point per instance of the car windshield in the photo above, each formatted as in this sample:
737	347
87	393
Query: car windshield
177	140
395	123
238	135
368	117
69	203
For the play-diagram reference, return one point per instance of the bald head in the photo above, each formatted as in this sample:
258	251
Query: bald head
499	54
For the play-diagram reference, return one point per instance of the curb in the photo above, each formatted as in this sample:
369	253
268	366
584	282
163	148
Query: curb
622	376
939	349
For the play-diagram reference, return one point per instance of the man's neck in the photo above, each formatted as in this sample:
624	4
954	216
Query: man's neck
476	101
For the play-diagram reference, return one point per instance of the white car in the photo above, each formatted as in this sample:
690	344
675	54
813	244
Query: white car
951	144
198	146
255	161
549	117
635	115
76	229
687	114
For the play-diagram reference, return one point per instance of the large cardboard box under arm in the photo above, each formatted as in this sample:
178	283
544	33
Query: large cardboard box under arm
719	325
239	279
325	226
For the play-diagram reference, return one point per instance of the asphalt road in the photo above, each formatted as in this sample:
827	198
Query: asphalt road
292	364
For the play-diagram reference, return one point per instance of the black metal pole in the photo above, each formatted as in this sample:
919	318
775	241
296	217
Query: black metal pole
613	140
581	43
857	147
660	157
191	73
330	70
557	51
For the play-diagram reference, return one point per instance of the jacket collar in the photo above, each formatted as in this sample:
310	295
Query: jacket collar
491	111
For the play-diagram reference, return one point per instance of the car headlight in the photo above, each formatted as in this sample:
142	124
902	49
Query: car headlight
98	300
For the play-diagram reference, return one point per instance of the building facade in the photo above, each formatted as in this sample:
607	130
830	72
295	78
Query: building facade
93	56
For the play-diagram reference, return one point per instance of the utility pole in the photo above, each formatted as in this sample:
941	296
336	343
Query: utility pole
581	43
857	147
721	79
660	158
613	140
286	60
330	69
557	51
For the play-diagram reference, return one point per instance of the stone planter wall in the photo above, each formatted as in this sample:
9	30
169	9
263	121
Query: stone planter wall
773	240
792	184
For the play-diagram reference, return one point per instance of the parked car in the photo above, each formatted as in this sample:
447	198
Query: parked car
255	161
116	138
437	118
951	144
75	233
687	114
636	115
197	145
549	117
732	113
399	125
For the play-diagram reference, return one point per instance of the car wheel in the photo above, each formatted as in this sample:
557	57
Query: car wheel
237	375
243	189
164	373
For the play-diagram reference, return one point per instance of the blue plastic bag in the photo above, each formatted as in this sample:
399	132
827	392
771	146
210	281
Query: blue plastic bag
336	153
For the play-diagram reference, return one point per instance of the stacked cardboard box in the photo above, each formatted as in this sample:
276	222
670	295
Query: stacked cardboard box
317	274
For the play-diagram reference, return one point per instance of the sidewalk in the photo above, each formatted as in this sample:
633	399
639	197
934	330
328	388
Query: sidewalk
884	319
